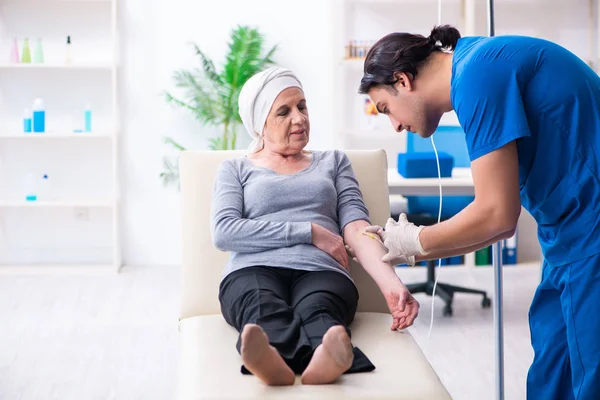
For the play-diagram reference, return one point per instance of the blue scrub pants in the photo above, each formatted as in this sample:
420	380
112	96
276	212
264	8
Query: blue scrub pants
565	333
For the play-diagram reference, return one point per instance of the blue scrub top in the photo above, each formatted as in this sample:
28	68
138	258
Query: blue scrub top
508	88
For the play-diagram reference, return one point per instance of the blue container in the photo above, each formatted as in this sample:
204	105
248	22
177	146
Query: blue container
27	125
39	121
451	205
88	120
449	139
457	260
424	165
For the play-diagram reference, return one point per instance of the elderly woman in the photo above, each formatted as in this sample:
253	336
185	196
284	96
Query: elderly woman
283	213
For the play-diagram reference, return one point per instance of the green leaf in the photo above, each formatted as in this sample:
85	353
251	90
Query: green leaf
243	60
208	66
173	143
169	98
199	97
215	143
170	174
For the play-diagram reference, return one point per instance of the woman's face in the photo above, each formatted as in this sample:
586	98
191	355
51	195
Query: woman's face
287	127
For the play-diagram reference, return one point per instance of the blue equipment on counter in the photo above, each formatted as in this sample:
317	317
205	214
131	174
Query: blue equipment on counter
424	165
449	140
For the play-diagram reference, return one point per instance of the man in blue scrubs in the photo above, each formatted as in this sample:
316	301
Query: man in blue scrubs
531	113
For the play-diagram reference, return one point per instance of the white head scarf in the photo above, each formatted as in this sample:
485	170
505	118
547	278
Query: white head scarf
257	97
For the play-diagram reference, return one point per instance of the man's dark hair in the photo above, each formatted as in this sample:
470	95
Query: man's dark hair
403	52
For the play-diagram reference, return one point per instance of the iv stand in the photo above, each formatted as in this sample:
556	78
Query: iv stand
497	262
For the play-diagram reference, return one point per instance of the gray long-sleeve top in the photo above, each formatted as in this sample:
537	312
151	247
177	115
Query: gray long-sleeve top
264	219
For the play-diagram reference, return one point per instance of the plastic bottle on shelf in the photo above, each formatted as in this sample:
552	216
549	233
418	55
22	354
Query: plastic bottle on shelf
38	54
26	55
39	116
14	52
30	188
87	113
27	121
69	52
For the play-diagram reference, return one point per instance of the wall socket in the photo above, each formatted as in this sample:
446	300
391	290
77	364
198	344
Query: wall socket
82	214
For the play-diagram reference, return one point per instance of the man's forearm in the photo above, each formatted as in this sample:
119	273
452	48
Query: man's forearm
461	251
369	252
474	226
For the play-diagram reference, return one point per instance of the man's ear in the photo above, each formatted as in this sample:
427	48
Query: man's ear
403	81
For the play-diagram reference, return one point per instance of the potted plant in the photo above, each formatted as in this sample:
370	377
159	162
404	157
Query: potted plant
211	95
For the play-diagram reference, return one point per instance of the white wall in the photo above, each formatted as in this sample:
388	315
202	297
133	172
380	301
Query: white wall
155	38
303	31
155	34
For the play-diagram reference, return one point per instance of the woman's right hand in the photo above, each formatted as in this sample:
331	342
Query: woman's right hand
330	243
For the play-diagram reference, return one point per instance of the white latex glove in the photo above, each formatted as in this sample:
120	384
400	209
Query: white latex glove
401	239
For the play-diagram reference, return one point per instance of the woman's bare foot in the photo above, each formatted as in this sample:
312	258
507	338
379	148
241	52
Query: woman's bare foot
262	359
331	359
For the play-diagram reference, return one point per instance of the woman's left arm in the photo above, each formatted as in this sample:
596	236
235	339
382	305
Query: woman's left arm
368	251
353	218
494	213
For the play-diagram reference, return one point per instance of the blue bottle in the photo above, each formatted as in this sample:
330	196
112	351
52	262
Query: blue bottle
39	116
27	123
88	118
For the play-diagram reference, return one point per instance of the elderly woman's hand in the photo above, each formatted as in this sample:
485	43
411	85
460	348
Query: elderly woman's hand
352	254
331	244
402	305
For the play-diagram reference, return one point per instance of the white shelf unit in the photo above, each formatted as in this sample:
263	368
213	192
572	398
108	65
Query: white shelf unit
86	202
71	67
57	136
71	203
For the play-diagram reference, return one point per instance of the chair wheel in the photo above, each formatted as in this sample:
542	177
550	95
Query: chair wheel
486	302
448	311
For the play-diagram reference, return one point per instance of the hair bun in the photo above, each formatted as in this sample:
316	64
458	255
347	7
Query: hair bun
447	35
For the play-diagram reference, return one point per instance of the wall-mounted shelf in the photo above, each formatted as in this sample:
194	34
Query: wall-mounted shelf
403	2
73	203
54	269
56	136
82	66
53	1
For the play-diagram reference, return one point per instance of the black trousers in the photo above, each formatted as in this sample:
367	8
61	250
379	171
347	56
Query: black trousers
295	308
